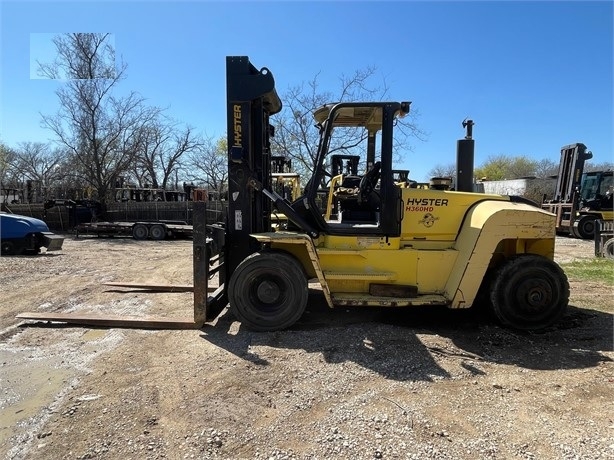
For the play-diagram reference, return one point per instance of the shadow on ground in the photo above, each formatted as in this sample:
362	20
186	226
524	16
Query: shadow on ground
402	344
409	343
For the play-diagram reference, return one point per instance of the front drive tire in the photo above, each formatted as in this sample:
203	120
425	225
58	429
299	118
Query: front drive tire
529	292
268	291
586	227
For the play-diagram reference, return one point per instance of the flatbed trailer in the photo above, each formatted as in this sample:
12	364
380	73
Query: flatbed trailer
158	230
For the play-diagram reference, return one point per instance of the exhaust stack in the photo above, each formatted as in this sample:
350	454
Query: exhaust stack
465	149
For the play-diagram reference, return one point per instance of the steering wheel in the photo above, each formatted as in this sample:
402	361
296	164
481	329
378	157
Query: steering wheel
368	182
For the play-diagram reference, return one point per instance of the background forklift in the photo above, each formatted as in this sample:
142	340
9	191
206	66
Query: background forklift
390	246
580	199
286	182
595	203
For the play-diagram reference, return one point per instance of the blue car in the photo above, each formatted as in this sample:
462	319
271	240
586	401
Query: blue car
26	235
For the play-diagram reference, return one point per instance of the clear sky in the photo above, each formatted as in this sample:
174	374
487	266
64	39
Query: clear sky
534	76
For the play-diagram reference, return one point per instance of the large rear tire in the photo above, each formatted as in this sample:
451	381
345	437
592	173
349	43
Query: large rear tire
268	291
529	292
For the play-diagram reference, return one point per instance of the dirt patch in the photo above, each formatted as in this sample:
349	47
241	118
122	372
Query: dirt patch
413	383
570	249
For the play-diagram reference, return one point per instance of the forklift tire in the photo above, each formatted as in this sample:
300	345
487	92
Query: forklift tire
529	292
268	291
608	249
585	227
139	232
157	232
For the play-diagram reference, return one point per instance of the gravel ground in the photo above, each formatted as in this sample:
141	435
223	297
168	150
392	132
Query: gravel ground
347	384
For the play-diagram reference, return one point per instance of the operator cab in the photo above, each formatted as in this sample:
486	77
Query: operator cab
596	190
337	200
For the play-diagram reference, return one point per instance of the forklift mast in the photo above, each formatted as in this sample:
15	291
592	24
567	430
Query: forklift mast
571	168
281	164
344	164
251	100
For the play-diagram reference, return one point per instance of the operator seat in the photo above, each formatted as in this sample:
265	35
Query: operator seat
365	204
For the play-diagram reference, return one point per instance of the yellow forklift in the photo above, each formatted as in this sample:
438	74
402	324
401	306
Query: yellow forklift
387	246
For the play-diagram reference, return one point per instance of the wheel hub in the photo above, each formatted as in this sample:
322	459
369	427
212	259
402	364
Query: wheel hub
268	292
537	295
589	227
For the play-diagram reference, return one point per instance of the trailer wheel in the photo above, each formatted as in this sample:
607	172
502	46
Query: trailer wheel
529	292
157	232
608	248
139	232
586	227
268	291
7	248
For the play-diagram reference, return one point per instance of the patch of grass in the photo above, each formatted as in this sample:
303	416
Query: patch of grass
597	270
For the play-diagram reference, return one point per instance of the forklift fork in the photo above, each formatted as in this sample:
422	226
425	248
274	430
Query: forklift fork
206	307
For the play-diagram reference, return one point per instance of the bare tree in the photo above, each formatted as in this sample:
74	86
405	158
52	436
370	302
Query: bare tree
208	165
546	168
296	135
539	188
37	161
603	166
447	170
162	144
99	131
8	169
81	56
